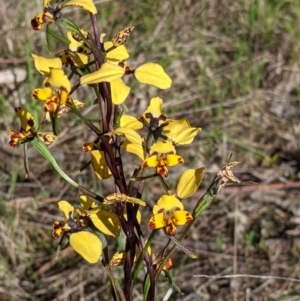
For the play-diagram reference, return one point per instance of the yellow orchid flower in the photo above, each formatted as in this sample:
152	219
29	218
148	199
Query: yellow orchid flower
162	155
50	14
86	244
105	221
26	132
76	54
56	90
169	213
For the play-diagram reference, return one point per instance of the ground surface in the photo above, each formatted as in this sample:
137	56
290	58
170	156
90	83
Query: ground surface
235	70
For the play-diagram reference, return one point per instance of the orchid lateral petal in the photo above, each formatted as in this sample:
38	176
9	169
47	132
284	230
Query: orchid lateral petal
153	74
87	5
150	161
180	132
136	149
121	197
87	245
107	73
186	136
156	221
128	121
87	202
117	54
189	182
42	93
129	134
182	217
99	165
119	91
106	222
173	160
43	64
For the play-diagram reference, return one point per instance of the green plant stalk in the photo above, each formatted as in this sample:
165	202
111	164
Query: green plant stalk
146	286
115	284
44	151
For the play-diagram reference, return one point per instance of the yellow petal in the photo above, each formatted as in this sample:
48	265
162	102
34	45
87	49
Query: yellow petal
117	54
153	74
99	165
173	160
87	5
186	136
107	222
167	203
66	208
87	245
107	73
156	221
133	148
87	202
180	131
58	79
121	197
162	147
26	119
128	121
150	162
182	217
189	182
79	59
42	94
130	134
43	64
76	43
119	91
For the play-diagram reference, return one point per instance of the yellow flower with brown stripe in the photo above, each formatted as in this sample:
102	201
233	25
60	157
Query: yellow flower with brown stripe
169	213
162	155
56	90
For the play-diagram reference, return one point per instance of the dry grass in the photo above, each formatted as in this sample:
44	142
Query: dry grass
235	66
